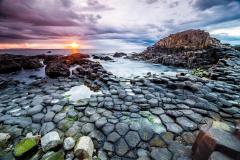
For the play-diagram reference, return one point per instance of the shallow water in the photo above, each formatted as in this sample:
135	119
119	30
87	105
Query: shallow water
80	92
121	67
128	68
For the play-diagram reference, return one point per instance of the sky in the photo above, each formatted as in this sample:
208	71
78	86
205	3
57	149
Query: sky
112	24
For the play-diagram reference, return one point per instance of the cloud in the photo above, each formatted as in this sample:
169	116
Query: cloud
121	22
151	1
206	4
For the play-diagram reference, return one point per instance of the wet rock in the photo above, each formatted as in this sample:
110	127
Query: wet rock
49	116
68	143
108	128
37	117
157	141
113	137
132	138
146	133
179	151
87	128
57	108
121	147
119	54
57	69
47	127
161	154
4	138
29	63
186	124
50	141
53	155
84	148
188	137
34	110
122	128
173	127
153	102
108	147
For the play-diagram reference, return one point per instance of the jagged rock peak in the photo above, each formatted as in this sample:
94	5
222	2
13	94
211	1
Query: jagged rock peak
189	39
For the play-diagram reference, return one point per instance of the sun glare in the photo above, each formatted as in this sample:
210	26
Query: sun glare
74	45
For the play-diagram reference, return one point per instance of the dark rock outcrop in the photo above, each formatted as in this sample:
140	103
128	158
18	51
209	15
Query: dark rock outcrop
13	63
8	64
60	66
75	58
228	68
31	63
104	58
57	69
119	54
189	49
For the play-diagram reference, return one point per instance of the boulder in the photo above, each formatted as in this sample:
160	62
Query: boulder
119	54
50	140
57	69
68	143
25	146
4	138
104	58
84	148
216	138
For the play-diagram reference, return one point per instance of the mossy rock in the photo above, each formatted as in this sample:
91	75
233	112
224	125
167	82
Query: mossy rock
65	124
25	145
54	155
200	72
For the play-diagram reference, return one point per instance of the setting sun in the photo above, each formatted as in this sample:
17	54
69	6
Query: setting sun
74	45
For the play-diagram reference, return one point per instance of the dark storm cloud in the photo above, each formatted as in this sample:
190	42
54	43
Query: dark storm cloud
27	20
16	10
206	4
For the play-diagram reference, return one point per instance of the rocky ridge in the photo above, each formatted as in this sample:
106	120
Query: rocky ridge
195	49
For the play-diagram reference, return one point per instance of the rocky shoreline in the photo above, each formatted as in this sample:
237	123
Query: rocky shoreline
195	49
151	117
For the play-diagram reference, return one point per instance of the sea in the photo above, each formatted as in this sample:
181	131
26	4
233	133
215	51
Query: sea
120	67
